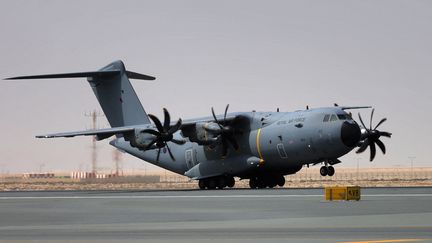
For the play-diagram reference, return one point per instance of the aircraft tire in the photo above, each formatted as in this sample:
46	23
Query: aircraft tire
230	182
281	181
211	183
272	185
331	171
253	183
261	183
323	171
201	184
221	183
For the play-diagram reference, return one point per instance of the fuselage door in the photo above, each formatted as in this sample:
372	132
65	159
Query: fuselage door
190	161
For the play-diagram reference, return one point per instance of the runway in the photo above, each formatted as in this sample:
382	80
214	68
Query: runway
273	215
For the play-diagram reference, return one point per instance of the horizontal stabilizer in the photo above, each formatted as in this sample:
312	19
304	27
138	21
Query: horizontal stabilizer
134	75
100	133
354	107
96	74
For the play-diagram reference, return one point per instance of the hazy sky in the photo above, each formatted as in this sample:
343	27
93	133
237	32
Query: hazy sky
251	54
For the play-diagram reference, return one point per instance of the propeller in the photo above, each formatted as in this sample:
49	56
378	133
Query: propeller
372	137
164	133
225	133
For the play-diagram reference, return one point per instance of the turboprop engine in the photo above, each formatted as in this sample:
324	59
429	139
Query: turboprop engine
140	139
207	132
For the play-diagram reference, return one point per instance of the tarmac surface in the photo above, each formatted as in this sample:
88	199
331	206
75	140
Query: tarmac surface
272	215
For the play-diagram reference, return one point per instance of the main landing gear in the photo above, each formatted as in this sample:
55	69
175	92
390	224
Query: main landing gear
219	182
327	170
264	182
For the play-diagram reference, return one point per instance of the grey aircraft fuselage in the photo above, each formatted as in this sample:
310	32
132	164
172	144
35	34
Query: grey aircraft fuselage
277	143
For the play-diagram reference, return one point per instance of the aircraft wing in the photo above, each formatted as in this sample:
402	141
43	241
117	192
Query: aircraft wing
192	122
99	133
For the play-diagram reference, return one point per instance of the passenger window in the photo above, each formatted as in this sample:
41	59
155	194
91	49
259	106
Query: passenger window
326	118
333	118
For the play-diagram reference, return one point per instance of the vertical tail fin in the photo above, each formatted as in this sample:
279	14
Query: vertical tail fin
114	92
117	97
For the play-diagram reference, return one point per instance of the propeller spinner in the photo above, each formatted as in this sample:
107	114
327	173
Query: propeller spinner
371	137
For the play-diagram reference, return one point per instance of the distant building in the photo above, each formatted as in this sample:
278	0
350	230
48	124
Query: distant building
38	175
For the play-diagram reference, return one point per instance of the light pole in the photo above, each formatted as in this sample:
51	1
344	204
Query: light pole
358	165
412	165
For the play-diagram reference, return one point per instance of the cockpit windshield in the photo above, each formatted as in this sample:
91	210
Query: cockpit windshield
335	117
344	117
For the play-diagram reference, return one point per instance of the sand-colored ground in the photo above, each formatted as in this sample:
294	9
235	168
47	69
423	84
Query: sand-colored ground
306	178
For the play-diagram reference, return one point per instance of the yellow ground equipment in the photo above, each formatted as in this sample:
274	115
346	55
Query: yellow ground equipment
342	193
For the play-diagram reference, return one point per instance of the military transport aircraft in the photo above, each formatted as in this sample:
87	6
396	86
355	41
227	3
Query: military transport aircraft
259	146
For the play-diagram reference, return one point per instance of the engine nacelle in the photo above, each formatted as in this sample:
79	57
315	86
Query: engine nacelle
207	132
140	140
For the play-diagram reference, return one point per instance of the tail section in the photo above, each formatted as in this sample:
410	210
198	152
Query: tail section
117	97
114	92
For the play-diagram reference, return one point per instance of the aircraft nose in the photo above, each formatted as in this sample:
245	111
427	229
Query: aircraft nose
350	134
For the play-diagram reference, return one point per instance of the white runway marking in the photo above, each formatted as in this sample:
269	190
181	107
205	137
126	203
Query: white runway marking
202	196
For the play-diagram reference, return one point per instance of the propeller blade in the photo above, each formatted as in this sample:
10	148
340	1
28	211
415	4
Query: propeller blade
169	151
156	122
233	142
158	153
371	118
167	120
176	127
214	116
379	123
364	146
372	151
381	145
226	110
361	120
179	142
151	131
385	134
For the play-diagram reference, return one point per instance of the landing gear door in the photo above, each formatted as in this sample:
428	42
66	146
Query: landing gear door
190	158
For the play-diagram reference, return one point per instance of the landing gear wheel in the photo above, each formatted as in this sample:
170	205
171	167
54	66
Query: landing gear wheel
272	184
230	182
330	171
323	171
261	183
201	184
211	184
253	183
221	183
281	181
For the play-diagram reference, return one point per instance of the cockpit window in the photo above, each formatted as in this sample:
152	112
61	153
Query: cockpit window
342	117
326	118
333	118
